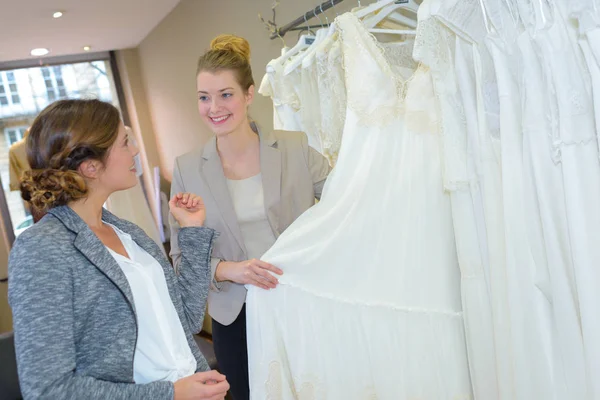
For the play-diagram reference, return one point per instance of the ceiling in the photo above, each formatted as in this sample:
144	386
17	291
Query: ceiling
102	24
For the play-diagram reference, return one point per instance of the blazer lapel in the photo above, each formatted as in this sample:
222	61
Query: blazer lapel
92	248
213	174
138	235
270	166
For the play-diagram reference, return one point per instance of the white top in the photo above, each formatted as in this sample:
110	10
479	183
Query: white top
249	205
162	352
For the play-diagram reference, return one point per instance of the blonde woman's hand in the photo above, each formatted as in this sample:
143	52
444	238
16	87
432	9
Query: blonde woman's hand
188	209
250	272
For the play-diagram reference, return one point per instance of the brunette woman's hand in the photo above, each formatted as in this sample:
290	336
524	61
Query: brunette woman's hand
202	386
188	209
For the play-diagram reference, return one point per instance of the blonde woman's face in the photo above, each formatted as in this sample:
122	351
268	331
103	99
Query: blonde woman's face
222	103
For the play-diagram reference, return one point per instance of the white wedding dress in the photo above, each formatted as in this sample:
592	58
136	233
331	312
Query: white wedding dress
369	306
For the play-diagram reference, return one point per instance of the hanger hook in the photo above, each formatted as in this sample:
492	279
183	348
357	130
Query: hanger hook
334	8
319	18
326	19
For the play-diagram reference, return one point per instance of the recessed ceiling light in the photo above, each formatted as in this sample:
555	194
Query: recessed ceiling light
39	52
57	14
87	48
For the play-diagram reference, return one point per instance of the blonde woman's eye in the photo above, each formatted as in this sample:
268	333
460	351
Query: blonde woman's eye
203	98
227	95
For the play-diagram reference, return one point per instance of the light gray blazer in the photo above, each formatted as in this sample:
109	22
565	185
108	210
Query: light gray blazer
293	175
74	314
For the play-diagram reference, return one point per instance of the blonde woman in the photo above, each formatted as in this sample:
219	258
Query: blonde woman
255	183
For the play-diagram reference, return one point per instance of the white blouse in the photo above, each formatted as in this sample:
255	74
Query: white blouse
249	205
162	352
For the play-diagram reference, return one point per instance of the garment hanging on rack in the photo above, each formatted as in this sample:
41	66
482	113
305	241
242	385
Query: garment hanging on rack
440	48
577	150
333	317
286	102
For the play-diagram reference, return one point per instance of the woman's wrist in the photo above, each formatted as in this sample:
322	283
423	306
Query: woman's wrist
220	271
192	224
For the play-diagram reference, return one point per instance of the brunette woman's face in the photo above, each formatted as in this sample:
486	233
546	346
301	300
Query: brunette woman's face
119	172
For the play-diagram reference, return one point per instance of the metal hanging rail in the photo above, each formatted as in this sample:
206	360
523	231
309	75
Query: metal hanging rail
280	32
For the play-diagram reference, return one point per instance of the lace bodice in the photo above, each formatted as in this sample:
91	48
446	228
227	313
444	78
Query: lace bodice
332	92
399	57
311	106
380	101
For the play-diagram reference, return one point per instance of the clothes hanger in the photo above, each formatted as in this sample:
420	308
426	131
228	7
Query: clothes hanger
394	31
322	40
306	29
319	37
411	5
370	9
390	12
486	21
305	42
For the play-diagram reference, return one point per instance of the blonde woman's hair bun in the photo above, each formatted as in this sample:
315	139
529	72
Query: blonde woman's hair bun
232	43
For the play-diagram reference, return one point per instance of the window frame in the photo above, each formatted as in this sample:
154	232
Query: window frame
7	96
19	130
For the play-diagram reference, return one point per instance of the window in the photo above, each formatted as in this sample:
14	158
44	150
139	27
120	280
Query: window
55	85
39	85
9	93
13	135
12	86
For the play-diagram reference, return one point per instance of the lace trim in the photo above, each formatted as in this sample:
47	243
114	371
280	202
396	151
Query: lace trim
273	385
558	145
333	99
308	387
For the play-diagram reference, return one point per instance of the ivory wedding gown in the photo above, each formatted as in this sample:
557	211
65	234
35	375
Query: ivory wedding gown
369	306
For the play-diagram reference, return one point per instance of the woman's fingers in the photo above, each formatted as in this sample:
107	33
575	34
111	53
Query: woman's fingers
268	267
265	276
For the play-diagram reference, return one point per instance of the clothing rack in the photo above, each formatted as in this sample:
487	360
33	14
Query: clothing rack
294	25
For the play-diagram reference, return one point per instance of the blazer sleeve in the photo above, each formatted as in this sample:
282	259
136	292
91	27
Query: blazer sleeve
318	166
177	186
41	297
